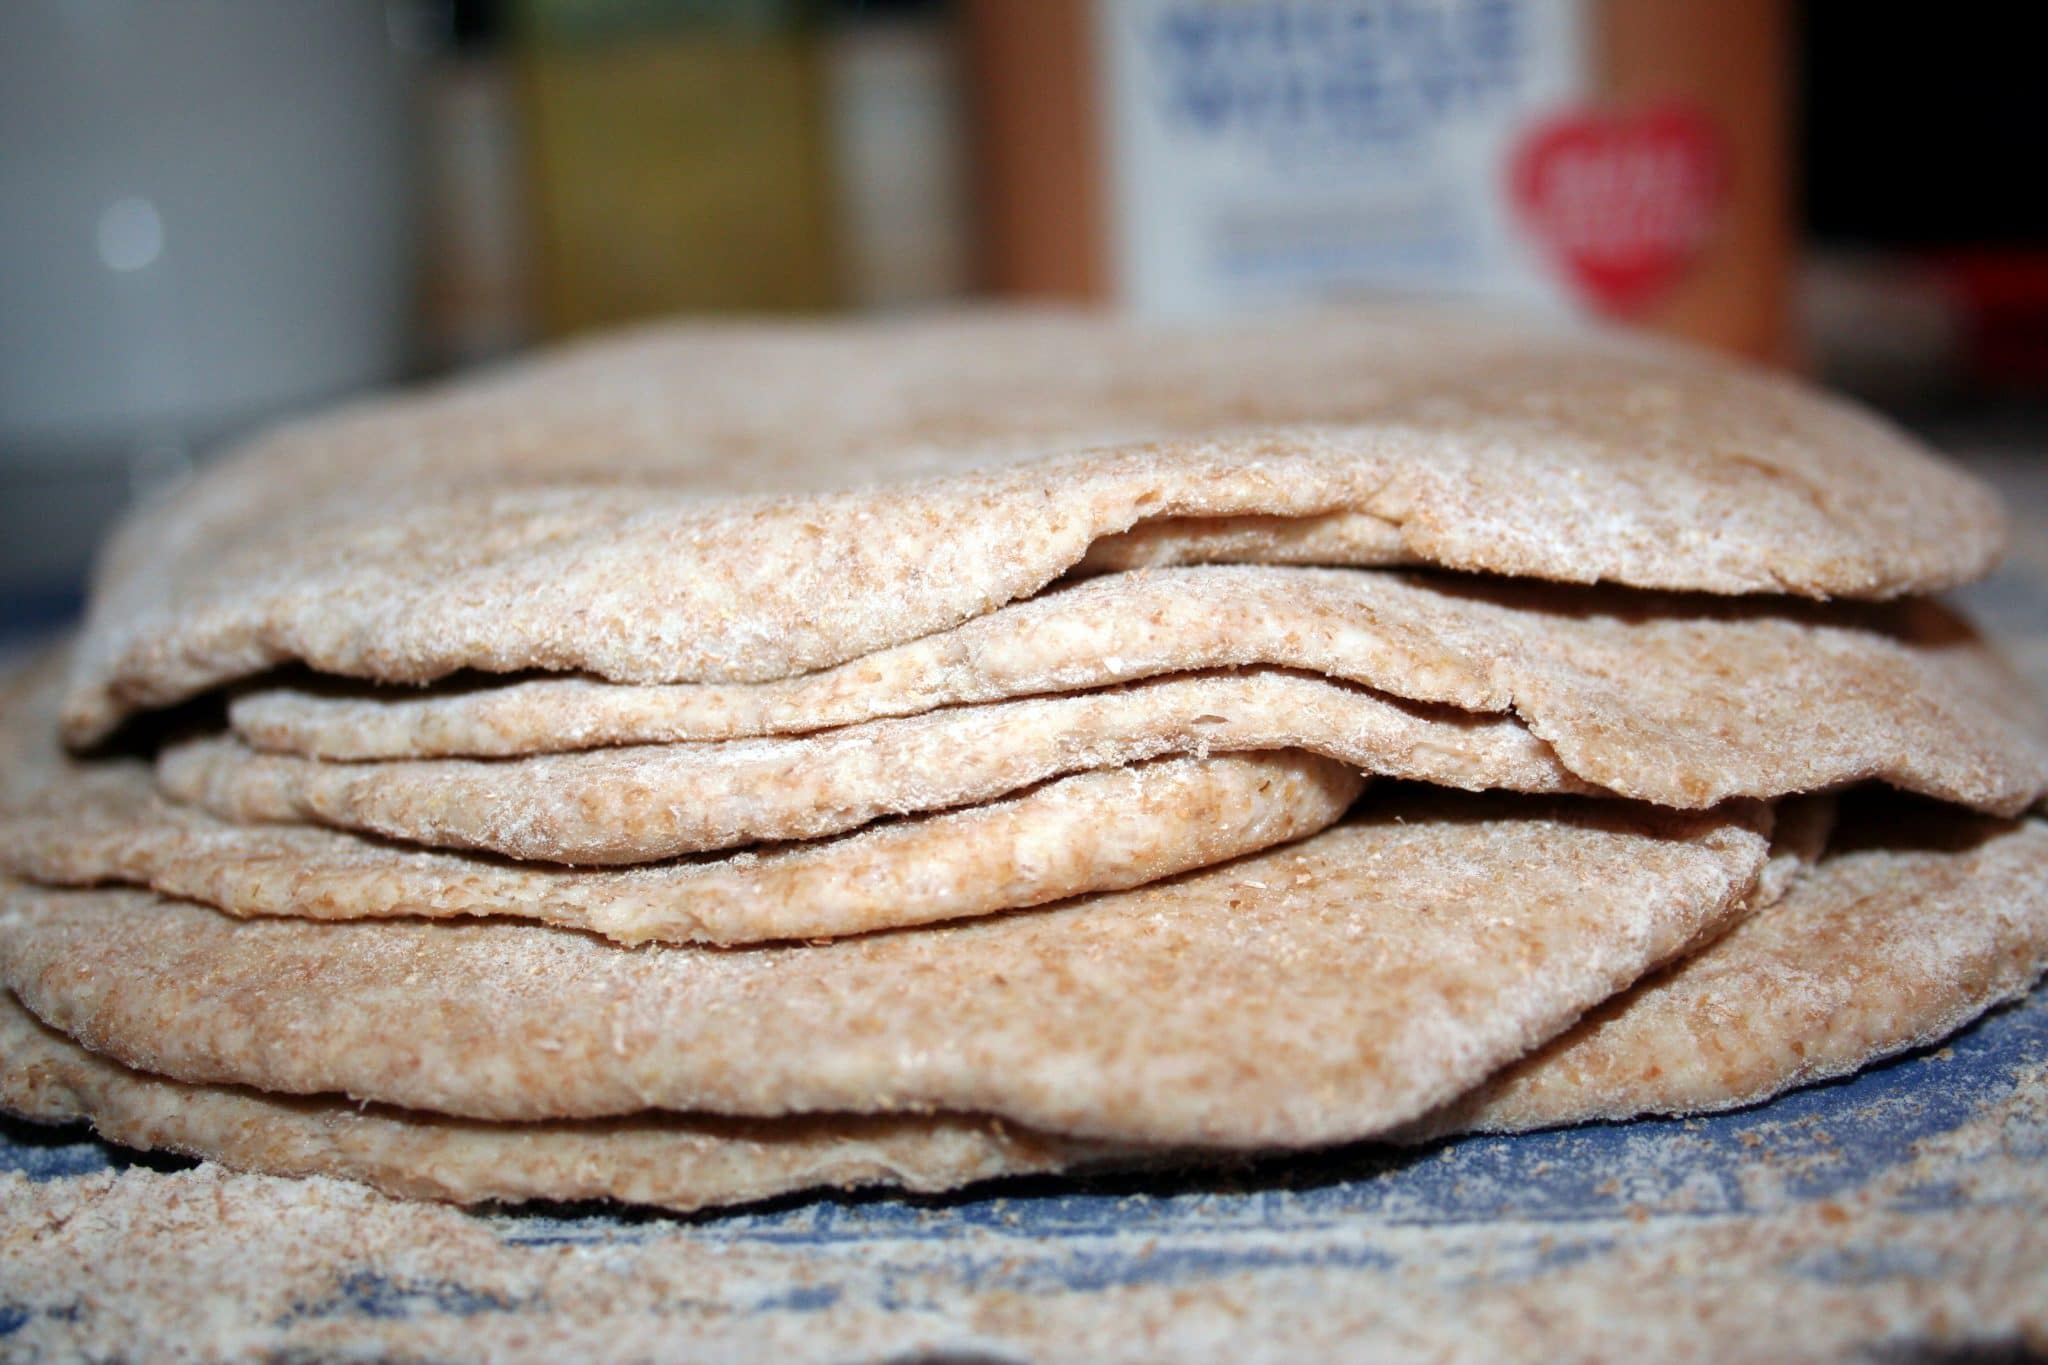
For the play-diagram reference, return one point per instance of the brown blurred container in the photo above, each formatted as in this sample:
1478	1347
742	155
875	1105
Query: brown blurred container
1638	168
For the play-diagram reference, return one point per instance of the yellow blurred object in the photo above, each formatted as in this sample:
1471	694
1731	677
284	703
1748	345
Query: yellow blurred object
680	162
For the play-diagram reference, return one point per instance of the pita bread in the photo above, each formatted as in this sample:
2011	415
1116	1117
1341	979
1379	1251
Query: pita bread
650	802
1097	831
674	1161
1922	920
681	1162
69	822
744	504
1422	944
1680	701
1705	1034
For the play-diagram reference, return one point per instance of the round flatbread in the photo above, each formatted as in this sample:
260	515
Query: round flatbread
1884	947
650	802
675	1161
1919	920
69	822
746	503
1316	993
1682	701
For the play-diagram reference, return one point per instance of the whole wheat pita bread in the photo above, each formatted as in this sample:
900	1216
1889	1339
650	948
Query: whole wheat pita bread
65	821
681	1162
1681	701
1921	920
675	1161
650	802
1096	831
1307	995
743	504
1973	908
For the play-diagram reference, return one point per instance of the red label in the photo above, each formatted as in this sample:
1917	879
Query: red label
1622	202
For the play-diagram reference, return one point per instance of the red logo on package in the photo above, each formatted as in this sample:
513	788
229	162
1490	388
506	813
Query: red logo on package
1622	202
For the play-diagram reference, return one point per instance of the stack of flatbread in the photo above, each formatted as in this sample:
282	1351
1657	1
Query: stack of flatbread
725	760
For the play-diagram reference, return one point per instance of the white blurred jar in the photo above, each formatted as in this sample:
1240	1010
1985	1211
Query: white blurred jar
206	217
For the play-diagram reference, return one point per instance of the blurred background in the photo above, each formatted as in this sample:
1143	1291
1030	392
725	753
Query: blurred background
216	212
